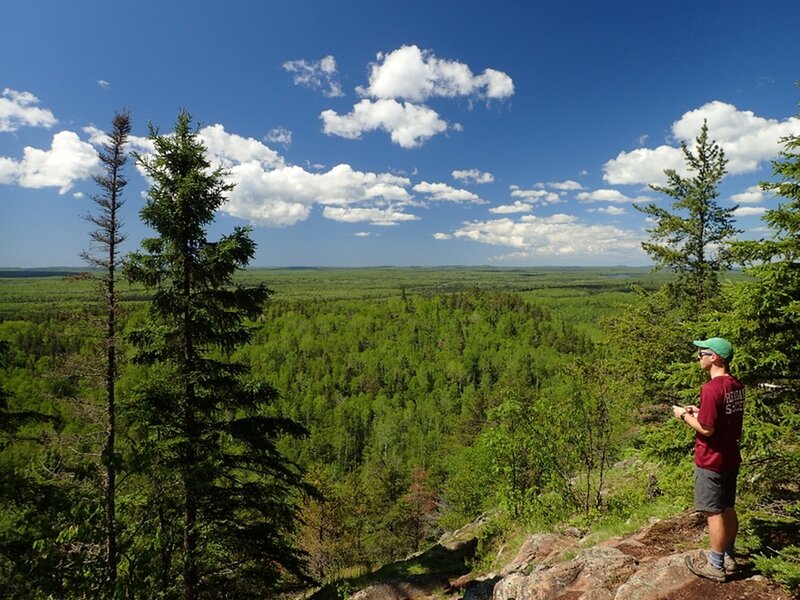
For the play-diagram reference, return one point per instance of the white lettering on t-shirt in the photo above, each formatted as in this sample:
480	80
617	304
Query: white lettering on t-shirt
734	401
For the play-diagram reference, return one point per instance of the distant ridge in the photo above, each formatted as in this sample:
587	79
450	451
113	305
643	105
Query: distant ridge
42	272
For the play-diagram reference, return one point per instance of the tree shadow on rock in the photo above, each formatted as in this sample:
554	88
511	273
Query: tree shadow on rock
432	568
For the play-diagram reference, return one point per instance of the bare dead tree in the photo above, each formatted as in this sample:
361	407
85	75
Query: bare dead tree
106	240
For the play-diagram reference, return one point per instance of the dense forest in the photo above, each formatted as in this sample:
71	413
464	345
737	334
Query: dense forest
174	424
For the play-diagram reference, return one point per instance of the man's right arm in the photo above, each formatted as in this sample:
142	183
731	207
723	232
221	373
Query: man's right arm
688	414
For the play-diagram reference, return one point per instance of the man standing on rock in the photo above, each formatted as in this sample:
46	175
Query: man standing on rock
717	423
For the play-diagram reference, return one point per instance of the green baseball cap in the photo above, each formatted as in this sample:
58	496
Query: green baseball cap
717	345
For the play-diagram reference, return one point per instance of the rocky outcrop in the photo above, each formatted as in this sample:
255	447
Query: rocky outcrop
540	548
647	565
656	580
593	573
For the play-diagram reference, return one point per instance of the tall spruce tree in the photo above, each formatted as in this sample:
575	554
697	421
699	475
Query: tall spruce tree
107	238
769	303
693	240
765	326
206	419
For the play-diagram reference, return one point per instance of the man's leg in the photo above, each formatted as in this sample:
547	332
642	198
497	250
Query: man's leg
729	514
730	526
731	529
731	520
708	499
711	565
717	532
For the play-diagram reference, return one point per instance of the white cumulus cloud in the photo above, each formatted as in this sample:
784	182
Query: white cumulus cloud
279	135
270	192
535	196
318	75
609	210
228	149
285	195
752	195
747	140
565	186
416	75
556	236
399	84
373	216
68	160
472	176
507	209
9	170
441	192
19	109
643	165
607	195
749	211
408	125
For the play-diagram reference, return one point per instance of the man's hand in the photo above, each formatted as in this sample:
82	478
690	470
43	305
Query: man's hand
678	411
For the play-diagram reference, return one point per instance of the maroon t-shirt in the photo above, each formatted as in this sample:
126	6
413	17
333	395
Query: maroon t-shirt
721	407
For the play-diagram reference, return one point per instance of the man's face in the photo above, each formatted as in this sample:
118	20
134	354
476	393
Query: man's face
706	358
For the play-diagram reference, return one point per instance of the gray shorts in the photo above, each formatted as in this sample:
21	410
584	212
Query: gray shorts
714	492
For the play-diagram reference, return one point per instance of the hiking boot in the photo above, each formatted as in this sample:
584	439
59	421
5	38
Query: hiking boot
702	567
731	566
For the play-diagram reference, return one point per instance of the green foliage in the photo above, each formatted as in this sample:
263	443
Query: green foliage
651	345
42	548
637	491
783	568
766	319
402	393
333	523
518	465
776	549
387	386
469	485
693	241
592	422
488	539
208	445
402	384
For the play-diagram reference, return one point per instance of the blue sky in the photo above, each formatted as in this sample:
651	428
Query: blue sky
366	133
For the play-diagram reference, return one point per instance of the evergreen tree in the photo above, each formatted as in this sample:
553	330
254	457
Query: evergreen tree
765	326
693	241
205	418
768	306
108	237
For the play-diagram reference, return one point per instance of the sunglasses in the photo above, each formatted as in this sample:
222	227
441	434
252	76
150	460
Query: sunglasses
699	354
